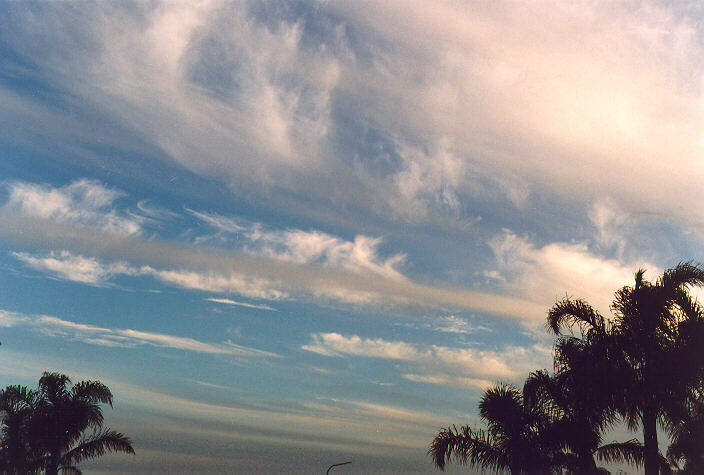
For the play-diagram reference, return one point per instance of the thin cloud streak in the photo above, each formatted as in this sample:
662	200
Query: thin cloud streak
441	365
126	338
241	304
323	282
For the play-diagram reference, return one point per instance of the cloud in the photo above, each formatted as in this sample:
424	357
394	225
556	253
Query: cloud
346	425
83	269
601	104
90	270
222	223
545	274
116	337
84	202
256	277
433	364
155	212
300	246
241	304
453	324
237	282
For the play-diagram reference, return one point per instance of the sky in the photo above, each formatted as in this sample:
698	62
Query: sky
292	234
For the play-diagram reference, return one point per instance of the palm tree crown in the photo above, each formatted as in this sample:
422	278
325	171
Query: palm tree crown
649	356
512	442
57	426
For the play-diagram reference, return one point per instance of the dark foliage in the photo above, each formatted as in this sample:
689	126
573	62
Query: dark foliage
55	427
644	366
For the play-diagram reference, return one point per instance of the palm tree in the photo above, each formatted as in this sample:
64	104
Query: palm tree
578	421
582	396
687	446
512	442
16	454
656	325
61	419
647	355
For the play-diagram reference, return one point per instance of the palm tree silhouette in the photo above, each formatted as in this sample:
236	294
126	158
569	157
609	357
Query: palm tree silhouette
657	327
512	442
60	421
687	446
578	423
583	395
16	454
649	356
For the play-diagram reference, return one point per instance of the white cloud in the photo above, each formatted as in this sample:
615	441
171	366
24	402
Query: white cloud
548	273
453	324
90	270
605	103
87	270
233	282
306	247
437	364
116	337
221	223
155	212
83	202
240	304
258	277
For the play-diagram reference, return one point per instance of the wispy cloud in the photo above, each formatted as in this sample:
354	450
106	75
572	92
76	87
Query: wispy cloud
89	270
353	425
116	337
435	364
65	265
258	277
214	281
155	212
241	304
323	95
300	246
85	202
546	273
454	324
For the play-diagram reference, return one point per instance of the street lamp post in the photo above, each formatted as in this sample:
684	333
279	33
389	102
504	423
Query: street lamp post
336	465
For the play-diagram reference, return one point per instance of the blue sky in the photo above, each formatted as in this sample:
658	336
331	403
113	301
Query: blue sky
290	234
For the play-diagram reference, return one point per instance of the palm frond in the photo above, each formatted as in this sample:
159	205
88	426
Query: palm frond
545	393
98	445
689	306
640	273
466	447
92	392
683	274
568	312
53	386
630	452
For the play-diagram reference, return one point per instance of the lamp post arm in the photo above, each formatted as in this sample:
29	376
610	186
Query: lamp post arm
336	465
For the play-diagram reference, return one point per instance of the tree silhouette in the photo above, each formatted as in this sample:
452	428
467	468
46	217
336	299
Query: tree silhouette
512	442
649	356
57	426
583	395
656	327
16	453
645	365
687	446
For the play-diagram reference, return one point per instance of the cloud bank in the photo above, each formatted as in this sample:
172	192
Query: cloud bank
433	364
602	103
